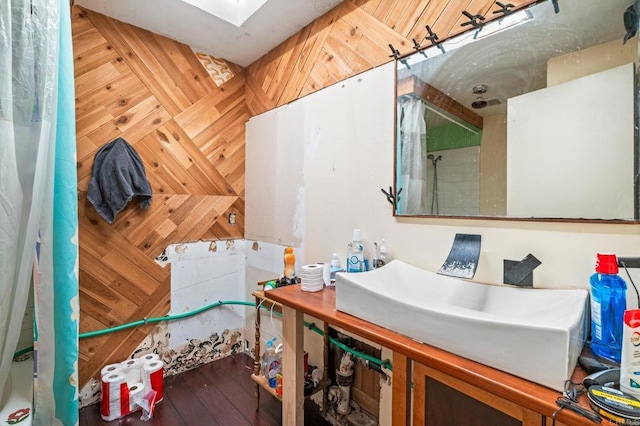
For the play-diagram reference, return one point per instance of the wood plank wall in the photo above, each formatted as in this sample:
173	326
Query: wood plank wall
153	92
156	94
352	38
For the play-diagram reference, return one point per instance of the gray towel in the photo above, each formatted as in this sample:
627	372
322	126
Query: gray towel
118	176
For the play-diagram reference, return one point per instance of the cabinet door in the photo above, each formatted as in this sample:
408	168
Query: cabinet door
441	400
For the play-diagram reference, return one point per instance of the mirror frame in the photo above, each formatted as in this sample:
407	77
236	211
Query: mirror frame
636	148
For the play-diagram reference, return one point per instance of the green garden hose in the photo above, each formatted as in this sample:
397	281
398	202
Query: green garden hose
386	364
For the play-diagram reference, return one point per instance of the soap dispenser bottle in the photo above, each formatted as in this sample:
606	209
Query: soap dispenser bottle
381	255
608	303
384	252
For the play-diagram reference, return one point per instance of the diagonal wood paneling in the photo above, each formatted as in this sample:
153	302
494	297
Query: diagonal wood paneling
155	93
352	38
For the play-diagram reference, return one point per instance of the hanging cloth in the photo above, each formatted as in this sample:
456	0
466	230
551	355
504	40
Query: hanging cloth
118	176
413	151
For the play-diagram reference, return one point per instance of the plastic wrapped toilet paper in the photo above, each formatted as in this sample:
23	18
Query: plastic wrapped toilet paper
136	393
110	369
149	357
115	396
152	377
132	369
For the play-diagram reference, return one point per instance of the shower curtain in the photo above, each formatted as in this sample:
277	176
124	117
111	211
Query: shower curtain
38	200
412	156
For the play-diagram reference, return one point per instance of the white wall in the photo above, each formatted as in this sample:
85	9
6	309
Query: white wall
314	172
572	143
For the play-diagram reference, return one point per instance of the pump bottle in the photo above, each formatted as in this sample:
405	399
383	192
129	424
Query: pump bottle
608	303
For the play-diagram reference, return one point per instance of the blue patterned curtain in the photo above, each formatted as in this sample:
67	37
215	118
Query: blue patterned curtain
56	293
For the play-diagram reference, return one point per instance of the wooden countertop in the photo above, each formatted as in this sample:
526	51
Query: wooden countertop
322	305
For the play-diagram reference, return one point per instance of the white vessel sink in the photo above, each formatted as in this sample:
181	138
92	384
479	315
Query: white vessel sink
535	334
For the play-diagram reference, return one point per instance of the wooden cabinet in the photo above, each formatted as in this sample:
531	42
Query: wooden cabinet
441	400
496	395
261	382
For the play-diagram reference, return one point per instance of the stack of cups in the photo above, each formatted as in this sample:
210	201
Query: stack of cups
311	277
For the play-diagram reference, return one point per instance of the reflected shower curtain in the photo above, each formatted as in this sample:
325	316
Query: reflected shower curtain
38	199
412	156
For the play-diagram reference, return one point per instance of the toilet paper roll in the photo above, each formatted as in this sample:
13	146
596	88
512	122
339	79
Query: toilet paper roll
149	357
136	392
152	377
131	362
326	273
311	267
114	401
110	369
132	369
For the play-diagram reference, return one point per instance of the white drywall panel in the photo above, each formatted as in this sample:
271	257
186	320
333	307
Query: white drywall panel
570	144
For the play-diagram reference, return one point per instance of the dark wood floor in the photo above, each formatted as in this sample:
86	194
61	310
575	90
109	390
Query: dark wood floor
218	393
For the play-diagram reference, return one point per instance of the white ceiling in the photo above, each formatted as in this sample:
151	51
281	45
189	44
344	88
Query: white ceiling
240	31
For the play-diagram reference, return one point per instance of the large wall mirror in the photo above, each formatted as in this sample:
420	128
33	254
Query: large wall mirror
532	116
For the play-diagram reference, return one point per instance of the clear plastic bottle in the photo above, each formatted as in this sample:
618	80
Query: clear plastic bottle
355	253
608	303
335	267
271	361
382	259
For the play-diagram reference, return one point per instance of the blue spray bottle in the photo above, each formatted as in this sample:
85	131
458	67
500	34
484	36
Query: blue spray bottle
608	303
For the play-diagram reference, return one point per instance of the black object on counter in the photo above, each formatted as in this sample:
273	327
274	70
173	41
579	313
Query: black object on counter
615	405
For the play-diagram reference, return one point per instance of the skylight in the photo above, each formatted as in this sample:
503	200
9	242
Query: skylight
235	12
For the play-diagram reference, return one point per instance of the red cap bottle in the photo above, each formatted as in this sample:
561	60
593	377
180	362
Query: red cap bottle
606	263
